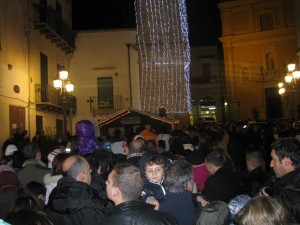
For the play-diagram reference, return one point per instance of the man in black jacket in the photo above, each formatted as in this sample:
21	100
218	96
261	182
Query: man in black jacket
124	188
73	201
286	165
222	184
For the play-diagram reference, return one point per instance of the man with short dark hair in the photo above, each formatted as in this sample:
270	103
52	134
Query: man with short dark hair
124	188
285	162
73	201
223	184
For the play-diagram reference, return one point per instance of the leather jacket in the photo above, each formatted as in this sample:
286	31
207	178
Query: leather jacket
137	212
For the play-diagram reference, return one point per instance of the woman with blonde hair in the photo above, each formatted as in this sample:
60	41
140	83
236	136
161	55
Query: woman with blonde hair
262	210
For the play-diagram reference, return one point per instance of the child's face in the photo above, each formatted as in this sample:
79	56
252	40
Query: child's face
154	173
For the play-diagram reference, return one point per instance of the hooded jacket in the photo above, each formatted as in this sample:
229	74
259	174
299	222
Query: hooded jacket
75	203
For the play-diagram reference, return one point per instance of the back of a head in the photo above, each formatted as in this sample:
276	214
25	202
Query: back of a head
36	188
262	210
215	213
99	159
216	157
178	176
150	145
30	150
255	157
129	180
25	201
74	165
58	162
288	147
136	146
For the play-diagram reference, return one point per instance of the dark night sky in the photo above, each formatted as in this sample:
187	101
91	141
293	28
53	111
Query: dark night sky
203	17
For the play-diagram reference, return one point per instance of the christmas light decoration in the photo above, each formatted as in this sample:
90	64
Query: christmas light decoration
164	55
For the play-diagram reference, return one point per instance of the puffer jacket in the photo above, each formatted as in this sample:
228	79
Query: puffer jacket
137	212
75	203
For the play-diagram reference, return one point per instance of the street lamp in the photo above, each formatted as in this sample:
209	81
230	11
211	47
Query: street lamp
64	84
291	80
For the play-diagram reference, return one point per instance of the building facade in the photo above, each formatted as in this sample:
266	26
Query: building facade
259	39
208	83
105	73
36	41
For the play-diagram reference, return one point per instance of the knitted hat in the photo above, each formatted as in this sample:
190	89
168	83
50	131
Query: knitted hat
6	168
237	203
8	178
10	149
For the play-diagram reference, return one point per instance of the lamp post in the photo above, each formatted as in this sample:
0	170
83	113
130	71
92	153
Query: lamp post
64	84
291	80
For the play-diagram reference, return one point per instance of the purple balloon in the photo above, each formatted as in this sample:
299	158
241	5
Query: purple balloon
86	142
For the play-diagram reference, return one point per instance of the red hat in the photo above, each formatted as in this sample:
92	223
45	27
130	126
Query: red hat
8	178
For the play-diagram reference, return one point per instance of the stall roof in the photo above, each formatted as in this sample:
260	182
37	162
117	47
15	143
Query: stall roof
126	111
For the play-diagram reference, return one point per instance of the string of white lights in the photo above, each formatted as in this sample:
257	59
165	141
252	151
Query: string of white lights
164	55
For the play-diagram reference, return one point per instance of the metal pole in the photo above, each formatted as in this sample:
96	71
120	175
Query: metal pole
295	106
129	73
64	108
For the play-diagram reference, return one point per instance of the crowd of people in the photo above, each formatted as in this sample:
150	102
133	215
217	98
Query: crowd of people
207	174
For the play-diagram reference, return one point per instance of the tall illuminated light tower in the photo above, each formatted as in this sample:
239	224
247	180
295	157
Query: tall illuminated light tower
164	55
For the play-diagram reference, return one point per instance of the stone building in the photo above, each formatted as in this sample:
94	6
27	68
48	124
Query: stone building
259	39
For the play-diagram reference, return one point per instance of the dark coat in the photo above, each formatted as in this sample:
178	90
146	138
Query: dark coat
34	171
134	160
75	203
154	190
221	186
253	181
137	212
287	192
7	197
181	205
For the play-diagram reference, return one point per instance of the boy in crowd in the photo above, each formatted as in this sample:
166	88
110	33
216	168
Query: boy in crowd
153	168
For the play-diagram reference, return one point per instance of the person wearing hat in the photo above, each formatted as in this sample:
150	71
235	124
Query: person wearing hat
10	149
9	187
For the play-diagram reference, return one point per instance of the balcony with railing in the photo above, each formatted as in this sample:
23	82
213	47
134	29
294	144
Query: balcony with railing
49	99
53	27
105	105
